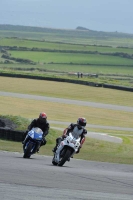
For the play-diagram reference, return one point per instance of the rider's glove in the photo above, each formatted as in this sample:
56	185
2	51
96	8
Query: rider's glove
63	136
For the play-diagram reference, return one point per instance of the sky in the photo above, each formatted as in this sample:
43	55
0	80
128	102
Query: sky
99	15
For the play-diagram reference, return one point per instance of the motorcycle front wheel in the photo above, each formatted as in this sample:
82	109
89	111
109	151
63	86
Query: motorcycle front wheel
67	155
53	162
27	151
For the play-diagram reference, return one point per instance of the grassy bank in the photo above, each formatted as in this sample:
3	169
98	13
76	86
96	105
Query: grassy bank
93	150
66	90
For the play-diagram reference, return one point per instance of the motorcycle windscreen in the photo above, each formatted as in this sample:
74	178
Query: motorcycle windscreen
36	133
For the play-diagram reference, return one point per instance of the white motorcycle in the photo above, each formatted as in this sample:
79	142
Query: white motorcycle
66	149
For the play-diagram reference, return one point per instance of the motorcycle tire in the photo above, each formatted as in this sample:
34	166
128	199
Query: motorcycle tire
65	157
27	151
53	162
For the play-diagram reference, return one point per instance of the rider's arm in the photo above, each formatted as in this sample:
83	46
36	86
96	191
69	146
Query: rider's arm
82	140
67	130
32	124
46	131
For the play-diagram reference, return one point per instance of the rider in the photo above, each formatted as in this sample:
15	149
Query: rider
78	128
42	123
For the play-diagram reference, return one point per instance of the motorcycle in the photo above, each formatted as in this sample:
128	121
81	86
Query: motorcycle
66	149
33	142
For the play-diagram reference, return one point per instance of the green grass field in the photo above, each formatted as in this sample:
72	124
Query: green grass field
67	68
54	63
70	36
78	58
60	46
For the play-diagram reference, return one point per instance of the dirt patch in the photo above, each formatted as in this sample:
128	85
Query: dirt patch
7	124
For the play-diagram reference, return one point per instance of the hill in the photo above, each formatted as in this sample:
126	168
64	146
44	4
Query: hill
78	32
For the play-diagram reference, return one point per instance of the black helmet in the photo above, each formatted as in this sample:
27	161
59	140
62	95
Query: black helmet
81	121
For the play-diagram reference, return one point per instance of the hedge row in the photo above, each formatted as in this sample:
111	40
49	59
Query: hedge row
52	79
117	87
16	48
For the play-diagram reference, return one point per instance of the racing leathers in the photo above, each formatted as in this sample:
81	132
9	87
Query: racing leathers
76	130
43	126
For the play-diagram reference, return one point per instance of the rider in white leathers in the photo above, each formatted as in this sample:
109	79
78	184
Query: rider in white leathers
77	129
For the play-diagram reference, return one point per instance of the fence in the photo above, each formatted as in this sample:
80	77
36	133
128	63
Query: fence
12	135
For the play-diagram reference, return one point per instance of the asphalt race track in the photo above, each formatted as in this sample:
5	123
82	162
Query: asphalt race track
36	178
68	101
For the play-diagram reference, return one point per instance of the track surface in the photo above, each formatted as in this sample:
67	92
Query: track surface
68	101
37	178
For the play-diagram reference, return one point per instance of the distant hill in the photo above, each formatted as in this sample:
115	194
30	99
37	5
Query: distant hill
59	34
82	28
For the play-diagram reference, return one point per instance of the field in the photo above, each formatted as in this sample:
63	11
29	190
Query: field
68	36
92	53
113	64
79	58
61	46
63	54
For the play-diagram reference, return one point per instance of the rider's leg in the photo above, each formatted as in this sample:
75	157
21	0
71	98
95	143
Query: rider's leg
24	137
25	140
58	141
44	141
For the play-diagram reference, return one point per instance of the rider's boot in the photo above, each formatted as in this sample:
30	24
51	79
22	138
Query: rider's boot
58	141
69	158
42	143
55	148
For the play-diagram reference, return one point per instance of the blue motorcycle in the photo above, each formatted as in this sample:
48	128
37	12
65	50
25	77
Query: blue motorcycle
33	142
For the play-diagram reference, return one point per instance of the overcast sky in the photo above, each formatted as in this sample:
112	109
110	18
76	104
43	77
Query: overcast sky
100	15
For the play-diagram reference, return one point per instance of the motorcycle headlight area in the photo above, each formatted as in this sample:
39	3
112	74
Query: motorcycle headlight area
69	139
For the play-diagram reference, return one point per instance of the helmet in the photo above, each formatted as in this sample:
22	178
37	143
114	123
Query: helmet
81	122
42	117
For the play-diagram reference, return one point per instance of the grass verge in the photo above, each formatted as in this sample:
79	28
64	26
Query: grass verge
66	90
29	108
93	149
